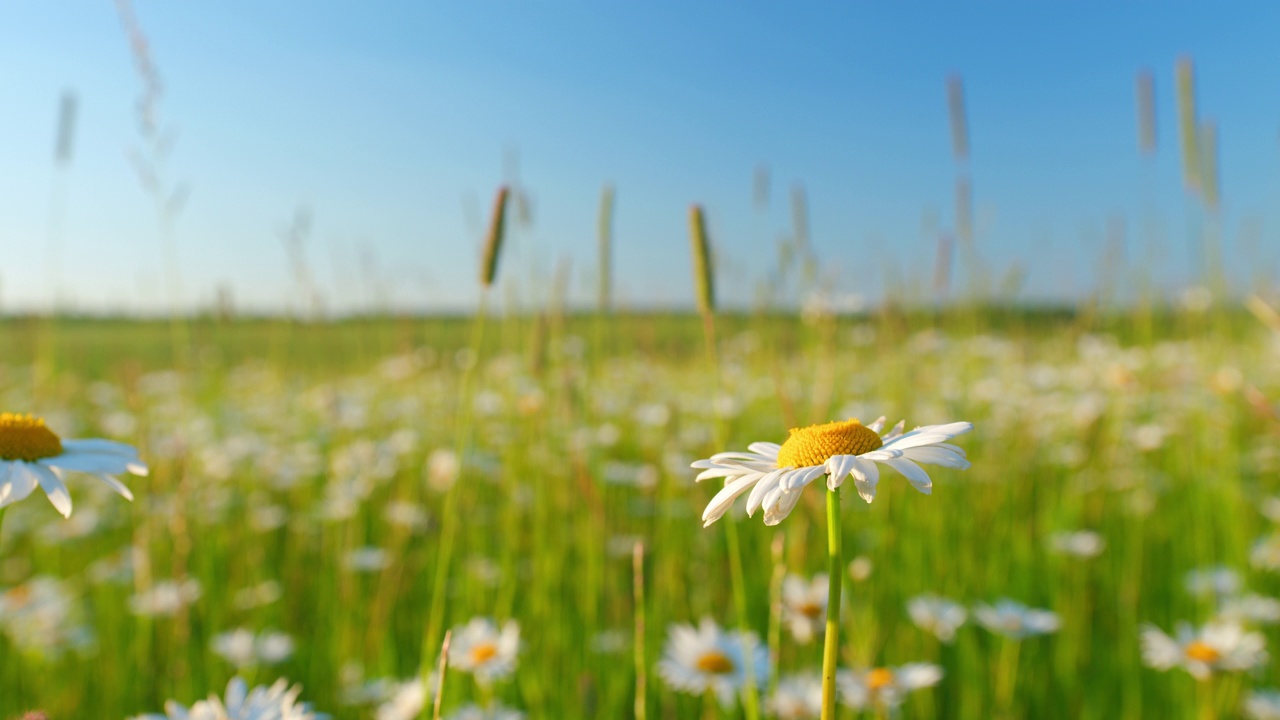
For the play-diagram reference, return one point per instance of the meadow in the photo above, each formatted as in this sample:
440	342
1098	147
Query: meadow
1124	469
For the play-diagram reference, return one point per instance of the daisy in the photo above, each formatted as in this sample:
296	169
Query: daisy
797	697
31	454
406	700
495	711
243	648
278	702
1217	581
884	686
707	658
480	648
804	606
1216	647
1081	543
937	615
776	474
1016	621
1262	705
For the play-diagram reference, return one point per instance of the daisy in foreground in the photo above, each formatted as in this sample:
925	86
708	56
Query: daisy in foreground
776	474
31	454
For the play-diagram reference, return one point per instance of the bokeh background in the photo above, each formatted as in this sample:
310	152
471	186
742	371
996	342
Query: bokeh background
250	238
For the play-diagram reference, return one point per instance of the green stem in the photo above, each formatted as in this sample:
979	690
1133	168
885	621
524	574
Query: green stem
751	693
449	516
835	571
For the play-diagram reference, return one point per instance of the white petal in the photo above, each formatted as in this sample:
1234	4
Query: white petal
803	477
918	478
782	508
97	445
748	456
838	466
865	477
895	432
766	449
718	472
16	482
767	483
53	487
936	455
723	500
116	485
89	462
877	426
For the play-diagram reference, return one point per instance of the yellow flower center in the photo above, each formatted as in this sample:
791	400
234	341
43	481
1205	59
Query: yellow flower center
879	678
483	653
715	662
23	437
810	609
1197	650
814	445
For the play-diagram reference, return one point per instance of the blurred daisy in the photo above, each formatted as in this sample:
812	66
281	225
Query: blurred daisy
884	686
1216	647
1081	543
278	702
1016	621
31	454
406	700
1251	609
1265	554
495	711
937	615
706	658
1217	581
797	697
242	648
1262	705
165	598
776	474
483	650
804	606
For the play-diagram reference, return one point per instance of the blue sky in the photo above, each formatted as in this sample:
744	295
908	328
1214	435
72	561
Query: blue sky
394	122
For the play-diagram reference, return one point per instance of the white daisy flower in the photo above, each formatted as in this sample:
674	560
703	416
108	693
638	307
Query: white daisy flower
278	702
31	454
797	697
1262	705
937	615
1081	543
1265	554
776	474
406	700
494	711
1217	647
696	660
242	647
884	686
804	606
1219	581
1016	621
1251	608
483	650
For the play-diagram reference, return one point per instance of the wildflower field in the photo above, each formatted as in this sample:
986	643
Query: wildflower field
325	500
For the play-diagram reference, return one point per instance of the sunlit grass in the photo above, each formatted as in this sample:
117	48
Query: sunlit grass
295	455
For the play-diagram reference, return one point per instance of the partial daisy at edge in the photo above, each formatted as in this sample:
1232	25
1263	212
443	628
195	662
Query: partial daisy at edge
32	455
776	474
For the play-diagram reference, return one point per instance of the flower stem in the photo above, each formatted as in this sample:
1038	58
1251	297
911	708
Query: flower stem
831	642
449	519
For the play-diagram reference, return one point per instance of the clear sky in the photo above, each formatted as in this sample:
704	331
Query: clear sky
394	123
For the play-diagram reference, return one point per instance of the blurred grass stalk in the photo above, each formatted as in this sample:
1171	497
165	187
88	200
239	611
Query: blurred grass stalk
462	434
704	287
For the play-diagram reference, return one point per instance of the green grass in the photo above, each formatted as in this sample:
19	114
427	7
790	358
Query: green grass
1055	395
